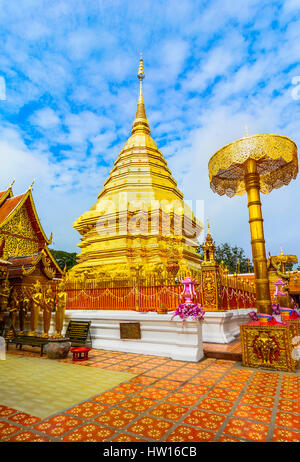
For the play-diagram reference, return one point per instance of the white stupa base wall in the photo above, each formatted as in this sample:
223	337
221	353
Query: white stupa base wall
224	326
160	335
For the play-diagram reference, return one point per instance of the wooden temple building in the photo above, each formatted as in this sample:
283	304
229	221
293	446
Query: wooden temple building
24	253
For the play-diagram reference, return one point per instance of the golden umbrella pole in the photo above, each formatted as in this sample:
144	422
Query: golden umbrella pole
254	164
252	185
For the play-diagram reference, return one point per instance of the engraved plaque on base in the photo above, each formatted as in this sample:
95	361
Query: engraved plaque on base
130	330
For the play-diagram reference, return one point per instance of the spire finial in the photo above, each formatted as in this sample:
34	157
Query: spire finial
141	122
141	73
208	226
30	187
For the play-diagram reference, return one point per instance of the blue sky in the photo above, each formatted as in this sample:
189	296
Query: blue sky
211	68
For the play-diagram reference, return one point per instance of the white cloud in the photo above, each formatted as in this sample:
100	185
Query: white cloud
45	118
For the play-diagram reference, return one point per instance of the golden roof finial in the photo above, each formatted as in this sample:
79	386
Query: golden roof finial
281	251
141	122
30	187
208	226
11	184
246	130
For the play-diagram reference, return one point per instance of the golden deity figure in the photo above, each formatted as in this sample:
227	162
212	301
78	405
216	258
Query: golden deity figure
23	310
47	310
36	303
4	295
61	304
13	312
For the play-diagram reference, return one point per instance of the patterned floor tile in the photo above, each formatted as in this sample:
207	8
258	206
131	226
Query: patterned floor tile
116	367
28	437
179	377
135	370
167	384
231	385
182	398
110	397
6	411
186	434
137	404
24	419
143	380
229	439
255	413
206	420
246	429
58	425
7	429
89	433
88	409
193	389
168	411
288	394
155	373
209	404
281	435
198	380
229	395
154	393
116	418
256	400
125	438
284	419
261	390
289	406
128	388
150	427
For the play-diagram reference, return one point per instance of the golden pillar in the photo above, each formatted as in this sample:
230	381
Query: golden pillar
254	164
252	185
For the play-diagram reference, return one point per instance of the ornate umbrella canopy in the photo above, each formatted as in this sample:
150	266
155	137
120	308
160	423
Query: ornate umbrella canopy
276	160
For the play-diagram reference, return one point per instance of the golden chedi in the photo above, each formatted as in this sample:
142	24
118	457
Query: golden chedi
139	215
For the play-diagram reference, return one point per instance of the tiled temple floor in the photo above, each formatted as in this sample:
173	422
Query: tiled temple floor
163	400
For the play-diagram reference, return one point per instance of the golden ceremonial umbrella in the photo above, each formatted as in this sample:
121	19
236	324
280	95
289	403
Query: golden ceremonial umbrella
250	165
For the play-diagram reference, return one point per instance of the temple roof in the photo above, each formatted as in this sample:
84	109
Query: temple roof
19	266
9	205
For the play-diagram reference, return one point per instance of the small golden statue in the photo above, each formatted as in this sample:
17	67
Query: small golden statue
36	302
4	294
62	297
47	310
13	311
23	310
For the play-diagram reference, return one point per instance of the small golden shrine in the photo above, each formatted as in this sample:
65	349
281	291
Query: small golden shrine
210	275
277	269
140	218
23	243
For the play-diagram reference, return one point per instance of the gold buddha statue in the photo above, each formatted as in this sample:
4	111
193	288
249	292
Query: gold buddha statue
61	297
23	309
47	310
36	303
4	294
13	312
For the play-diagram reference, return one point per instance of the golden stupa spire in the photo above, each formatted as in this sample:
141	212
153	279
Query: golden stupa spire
141	123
